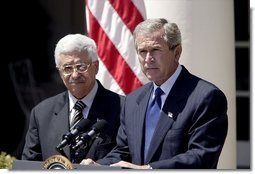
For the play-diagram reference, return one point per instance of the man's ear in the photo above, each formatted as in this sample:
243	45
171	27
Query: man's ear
177	52
96	64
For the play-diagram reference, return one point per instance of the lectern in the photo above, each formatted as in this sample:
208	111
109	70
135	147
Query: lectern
56	163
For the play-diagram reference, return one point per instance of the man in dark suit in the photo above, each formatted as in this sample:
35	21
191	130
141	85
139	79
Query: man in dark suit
77	62
190	128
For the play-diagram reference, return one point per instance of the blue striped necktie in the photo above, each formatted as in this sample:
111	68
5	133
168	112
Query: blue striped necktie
152	117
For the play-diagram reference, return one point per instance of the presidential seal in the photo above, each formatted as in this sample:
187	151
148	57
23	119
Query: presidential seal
57	162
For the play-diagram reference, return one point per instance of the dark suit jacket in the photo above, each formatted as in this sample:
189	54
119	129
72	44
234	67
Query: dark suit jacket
49	121
190	133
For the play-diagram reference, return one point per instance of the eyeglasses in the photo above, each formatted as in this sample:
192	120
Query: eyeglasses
80	68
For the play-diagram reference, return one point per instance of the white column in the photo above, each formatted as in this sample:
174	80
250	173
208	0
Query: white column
207	28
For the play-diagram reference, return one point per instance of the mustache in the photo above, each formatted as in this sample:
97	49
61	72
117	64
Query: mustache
78	80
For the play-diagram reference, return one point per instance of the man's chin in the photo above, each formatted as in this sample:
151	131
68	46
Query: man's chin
150	77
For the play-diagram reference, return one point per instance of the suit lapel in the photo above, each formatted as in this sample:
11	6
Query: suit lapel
98	107
166	119
139	117
61	121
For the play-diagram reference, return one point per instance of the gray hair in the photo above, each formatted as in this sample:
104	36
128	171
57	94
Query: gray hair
72	43
172	33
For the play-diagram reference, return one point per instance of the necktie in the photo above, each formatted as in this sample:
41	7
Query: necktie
78	107
152	117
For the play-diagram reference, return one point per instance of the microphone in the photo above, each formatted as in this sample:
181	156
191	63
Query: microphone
85	138
82	125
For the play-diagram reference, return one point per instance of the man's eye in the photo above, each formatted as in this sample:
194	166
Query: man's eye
68	69
82	67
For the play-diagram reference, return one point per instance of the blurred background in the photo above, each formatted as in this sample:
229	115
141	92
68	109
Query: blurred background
30	31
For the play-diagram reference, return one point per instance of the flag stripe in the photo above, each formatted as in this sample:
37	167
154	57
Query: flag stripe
128	13
105	77
113	61
139	4
111	30
118	33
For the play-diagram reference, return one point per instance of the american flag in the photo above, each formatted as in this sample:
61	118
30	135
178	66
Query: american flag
111	23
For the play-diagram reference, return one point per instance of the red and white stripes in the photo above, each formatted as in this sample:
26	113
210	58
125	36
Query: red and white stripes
110	24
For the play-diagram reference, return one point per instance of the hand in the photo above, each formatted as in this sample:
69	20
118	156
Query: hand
89	162
130	165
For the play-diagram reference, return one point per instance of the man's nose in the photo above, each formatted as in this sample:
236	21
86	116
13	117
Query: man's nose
148	56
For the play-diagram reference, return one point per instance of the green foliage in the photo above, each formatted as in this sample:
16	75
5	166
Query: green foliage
6	160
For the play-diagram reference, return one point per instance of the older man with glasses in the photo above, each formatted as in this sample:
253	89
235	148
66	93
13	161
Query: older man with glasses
77	62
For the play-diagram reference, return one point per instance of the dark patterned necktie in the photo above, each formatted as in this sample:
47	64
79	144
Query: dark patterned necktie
78	108
152	118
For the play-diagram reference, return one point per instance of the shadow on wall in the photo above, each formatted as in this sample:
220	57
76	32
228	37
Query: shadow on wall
26	27
26	90
29	93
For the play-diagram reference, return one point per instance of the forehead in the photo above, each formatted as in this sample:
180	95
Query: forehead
151	39
74	57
